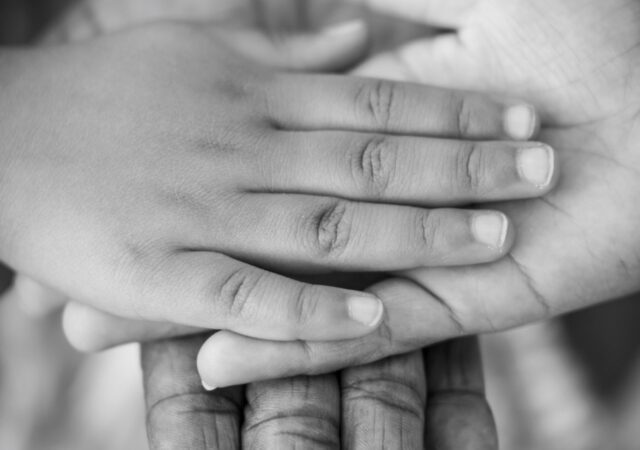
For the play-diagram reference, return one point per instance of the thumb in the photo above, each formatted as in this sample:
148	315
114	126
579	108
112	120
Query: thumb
332	49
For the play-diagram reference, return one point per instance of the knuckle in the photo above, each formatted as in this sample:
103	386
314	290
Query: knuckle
463	115
377	100
374	165
331	229
293	426
305	305
387	392
428	230
470	168
235	292
162	412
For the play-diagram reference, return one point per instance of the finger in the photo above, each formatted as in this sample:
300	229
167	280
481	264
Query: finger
458	415
341	234
210	290
448	13
446	61
90	330
301	412
413	318
426	306
180	413
332	49
35	298
383	404
419	171
320	102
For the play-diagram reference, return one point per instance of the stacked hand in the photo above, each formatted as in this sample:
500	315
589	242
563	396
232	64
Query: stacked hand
382	405
165	159
577	245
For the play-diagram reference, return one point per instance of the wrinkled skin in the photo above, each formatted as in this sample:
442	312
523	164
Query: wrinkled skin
391	404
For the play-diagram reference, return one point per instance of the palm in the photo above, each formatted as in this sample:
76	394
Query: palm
575	60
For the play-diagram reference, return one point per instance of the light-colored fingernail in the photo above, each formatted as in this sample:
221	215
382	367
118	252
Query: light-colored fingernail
345	28
536	165
366	310
520	121
208	387
490	228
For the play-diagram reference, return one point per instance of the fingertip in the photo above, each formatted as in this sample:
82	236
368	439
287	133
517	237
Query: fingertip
210	358
366	310
77	328
537	166
207	387
229	359
521	121
491	228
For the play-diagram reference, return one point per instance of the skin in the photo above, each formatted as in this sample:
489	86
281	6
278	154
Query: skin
240	169
576	245
384	405
279	414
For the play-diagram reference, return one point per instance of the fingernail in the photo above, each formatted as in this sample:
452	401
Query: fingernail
536	165
490	228
366	310
520	121
208	387
345	28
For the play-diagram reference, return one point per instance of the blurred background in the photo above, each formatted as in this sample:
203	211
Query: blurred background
571	384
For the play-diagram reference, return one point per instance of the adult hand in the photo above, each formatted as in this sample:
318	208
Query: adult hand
577	62
386	405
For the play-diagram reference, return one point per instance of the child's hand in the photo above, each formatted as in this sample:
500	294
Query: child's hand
141	169
578	62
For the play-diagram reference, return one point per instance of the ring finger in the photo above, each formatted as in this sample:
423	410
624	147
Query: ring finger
316	232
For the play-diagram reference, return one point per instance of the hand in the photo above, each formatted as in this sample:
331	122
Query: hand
383	405
576	61
163	202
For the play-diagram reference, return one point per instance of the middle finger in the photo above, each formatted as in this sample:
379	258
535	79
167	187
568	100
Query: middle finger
405	170
300	412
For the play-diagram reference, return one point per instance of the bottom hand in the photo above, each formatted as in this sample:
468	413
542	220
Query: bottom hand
382	405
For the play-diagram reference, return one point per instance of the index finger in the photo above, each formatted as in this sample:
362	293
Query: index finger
180	413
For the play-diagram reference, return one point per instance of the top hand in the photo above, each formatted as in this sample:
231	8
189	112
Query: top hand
577	62
164	158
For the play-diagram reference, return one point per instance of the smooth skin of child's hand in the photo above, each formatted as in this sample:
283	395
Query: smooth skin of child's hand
141	169
578	63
